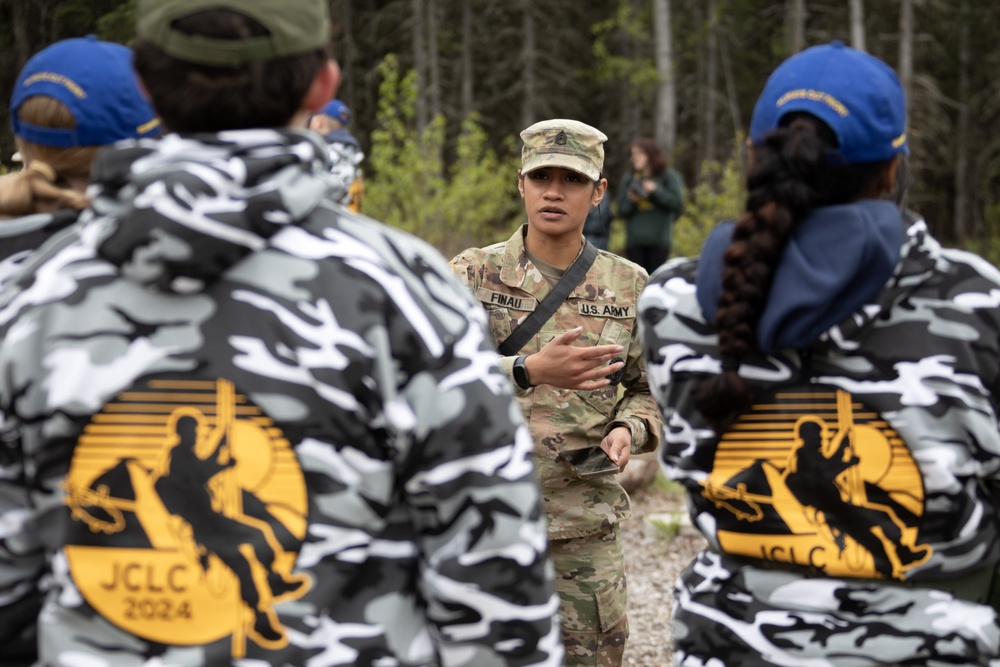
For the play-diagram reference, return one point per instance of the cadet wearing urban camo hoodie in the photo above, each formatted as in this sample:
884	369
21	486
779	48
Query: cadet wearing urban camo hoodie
243	426
829	379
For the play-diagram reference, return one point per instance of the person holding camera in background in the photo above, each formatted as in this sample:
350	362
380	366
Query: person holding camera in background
563	316
650	199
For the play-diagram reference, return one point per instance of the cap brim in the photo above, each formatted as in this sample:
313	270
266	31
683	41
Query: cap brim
579	165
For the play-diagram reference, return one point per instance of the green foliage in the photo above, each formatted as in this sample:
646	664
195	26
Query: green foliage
719	195
472	203
615	66
667	526
112	20
664	485
118	25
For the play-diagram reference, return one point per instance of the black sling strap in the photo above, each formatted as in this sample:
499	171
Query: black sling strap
573	276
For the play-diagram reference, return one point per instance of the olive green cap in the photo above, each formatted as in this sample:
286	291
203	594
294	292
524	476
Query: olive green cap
563	143
295	27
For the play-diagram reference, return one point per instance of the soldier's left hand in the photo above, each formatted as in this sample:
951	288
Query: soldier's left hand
618	445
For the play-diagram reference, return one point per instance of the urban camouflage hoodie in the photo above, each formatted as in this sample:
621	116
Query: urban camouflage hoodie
242	426
848	512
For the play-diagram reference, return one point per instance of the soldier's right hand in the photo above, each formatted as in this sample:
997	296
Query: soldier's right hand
562	363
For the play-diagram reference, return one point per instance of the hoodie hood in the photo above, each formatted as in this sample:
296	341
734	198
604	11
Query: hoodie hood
835	261
182	210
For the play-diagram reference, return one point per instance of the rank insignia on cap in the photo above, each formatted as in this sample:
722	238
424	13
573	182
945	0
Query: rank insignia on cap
566	143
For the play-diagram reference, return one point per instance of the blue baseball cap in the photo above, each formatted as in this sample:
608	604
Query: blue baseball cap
337	109
856	94
94	80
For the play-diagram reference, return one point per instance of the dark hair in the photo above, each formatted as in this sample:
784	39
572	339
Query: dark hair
657	161
795	169
199	98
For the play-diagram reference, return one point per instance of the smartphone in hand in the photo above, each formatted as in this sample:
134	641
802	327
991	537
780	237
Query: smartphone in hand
589	462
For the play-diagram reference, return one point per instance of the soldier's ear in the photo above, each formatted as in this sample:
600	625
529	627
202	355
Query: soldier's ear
599	190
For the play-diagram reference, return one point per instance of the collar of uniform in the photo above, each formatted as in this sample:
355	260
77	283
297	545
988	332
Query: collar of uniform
515	269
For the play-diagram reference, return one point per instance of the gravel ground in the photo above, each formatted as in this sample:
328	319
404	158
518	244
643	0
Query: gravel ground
653	560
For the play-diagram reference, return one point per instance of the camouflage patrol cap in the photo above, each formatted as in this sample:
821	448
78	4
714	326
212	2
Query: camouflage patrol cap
563	143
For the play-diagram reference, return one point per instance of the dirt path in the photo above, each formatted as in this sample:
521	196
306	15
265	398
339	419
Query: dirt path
652	563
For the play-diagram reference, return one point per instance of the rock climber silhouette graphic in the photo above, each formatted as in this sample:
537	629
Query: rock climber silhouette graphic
204	500
808	483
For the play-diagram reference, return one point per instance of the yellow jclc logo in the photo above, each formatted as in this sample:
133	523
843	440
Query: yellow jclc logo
814	478
189	508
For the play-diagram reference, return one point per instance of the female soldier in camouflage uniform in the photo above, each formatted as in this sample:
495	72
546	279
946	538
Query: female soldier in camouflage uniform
562	375
829	379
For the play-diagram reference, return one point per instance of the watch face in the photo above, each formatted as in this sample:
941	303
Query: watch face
521	374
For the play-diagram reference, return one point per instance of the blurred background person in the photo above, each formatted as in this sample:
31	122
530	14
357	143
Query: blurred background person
70	100
597	226
345	151
649	200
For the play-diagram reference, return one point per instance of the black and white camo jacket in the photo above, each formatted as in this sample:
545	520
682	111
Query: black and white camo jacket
849	503
243	426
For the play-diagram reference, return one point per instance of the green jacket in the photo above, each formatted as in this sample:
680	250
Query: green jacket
509	286
650	222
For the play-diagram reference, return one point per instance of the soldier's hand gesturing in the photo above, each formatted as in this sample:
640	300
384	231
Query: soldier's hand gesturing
563	364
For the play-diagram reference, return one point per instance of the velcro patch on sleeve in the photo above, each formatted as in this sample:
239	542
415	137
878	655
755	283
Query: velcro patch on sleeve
506	300
613	310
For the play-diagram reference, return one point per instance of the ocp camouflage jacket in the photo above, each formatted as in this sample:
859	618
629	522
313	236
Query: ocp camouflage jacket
244	426
856	486
509	287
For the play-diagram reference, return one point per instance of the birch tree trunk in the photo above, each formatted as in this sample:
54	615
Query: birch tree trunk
467	73
858	25
700	18
420	62
711	78
529	55
906	49
962	131
434	88
906	66
727	72
796	22
666	99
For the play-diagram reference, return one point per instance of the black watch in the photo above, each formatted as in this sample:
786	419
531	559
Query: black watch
520	372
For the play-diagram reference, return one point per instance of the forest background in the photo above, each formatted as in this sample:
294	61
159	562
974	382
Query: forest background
439	90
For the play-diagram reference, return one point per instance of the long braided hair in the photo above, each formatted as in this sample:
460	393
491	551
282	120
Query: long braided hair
795	169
